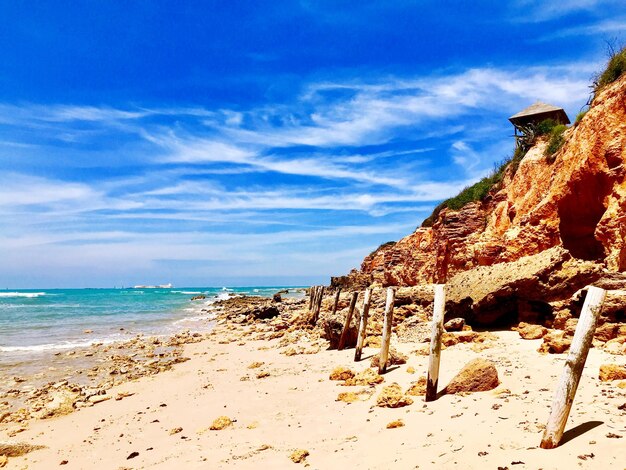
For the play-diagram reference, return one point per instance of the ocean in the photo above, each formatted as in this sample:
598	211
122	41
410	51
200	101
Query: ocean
41	321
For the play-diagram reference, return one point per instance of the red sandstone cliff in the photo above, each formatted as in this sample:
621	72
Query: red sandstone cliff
577	201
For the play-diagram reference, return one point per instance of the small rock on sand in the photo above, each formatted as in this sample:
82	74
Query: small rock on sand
418	388
3	460
299	455
395	357
455	324
528	331
609	372
8	449
478	375
255	365
398	423
221	423
392	397
175	431
366	377
341	373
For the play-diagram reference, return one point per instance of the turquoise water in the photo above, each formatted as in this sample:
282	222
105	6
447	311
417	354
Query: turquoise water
34	321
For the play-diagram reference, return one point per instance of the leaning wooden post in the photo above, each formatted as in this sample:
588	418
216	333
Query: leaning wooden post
384	348
564	396
363	325
435	342
346	326
336	300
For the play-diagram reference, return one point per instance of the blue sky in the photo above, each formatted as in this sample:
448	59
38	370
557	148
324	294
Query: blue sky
255	143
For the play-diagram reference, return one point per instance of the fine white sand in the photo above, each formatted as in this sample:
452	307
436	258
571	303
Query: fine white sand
295	407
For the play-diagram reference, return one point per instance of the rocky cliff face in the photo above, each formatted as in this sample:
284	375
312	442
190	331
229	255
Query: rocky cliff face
577	202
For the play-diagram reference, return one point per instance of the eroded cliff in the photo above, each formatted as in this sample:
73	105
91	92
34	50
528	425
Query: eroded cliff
575	200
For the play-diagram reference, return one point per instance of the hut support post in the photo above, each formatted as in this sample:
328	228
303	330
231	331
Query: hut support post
435	342
564	396
346	326
384	348
363	325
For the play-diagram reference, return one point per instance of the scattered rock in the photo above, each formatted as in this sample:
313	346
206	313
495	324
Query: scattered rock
351	397
132	455
418	388
392	397
221	423
394	358
3	460
341	373
478	375
175	431
277	298
609	372
365	377
98	398
255	365
398	423
199	297
262	375
299	455
455	324
555	342
615	346
528	331
410	370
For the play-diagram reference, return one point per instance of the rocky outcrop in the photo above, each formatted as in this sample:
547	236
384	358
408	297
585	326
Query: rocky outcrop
575	201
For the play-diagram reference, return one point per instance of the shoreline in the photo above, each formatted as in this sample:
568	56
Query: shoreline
287	402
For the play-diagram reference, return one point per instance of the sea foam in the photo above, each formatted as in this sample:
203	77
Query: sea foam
22	294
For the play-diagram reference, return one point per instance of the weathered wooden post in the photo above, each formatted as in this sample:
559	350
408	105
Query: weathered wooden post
312	291
363	325
346	326
318	305
337	294
564	396
384	348
435	342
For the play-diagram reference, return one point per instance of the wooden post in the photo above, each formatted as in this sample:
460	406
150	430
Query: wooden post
346	326
384	348
318	305
336	300
435	342
564	396
312	291
363	325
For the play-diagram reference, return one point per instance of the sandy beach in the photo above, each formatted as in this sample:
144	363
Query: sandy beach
279	397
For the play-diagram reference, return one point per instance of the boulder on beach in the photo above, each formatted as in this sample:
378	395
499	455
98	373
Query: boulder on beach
394	358
454	324
529	331
365	377
478	375
393	397
341	373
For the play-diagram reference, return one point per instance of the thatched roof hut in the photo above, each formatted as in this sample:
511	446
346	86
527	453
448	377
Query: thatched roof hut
536	113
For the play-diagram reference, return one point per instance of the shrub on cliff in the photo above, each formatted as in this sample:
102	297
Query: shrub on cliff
614	69
384	245
479	190
556	141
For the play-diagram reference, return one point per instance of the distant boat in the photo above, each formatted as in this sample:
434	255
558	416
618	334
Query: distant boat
162	286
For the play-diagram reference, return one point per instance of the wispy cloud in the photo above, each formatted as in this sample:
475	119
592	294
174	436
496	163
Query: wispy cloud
345	163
